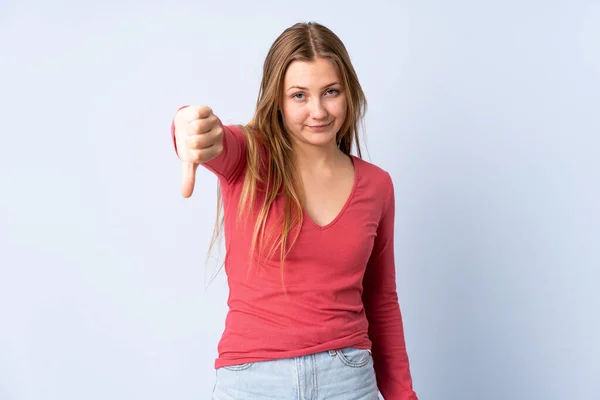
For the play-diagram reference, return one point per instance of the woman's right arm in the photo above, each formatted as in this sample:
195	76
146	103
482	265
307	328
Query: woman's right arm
200	138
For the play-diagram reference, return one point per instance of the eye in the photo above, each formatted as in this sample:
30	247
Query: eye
332	92
298	96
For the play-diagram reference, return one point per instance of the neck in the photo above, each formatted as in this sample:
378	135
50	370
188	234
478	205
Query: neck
317	158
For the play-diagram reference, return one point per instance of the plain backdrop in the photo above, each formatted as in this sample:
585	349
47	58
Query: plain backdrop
485	113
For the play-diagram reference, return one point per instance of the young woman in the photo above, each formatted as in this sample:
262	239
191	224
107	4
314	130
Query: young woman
309	230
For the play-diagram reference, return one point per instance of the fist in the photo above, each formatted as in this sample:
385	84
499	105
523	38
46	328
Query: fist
199	138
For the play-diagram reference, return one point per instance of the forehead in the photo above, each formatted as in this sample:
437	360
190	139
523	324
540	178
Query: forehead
311	74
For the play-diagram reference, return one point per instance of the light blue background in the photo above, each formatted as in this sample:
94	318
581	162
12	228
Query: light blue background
486	114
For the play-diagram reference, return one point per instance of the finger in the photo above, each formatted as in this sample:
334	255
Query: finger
188	178
202	112
203	125
201	141
206	154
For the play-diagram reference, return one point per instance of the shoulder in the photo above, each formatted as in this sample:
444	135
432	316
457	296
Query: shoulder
374	175
375	184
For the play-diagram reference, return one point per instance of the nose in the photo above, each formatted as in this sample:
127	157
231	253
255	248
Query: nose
318	110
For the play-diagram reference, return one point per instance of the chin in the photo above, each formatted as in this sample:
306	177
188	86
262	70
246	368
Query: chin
319	139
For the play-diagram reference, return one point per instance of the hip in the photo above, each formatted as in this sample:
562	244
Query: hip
346	374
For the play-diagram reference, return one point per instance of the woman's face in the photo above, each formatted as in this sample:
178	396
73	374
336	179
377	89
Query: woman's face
313	102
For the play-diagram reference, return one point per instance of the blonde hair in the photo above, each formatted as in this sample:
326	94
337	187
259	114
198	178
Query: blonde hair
275	173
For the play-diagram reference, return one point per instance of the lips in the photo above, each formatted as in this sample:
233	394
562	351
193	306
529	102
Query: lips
320	126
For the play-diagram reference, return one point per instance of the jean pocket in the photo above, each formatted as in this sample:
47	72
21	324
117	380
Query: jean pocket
238	367
353	357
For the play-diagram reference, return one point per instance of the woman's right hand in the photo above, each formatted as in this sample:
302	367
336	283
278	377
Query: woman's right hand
199	138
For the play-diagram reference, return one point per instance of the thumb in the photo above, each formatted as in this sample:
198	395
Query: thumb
188	178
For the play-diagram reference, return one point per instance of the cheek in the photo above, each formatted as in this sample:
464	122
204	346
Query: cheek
293	114
340	109
338	106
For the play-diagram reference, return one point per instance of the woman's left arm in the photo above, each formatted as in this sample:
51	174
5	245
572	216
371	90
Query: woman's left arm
380	300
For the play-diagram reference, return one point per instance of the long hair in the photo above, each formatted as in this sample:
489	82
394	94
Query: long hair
269	147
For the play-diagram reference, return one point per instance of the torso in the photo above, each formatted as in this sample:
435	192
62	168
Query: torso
315	302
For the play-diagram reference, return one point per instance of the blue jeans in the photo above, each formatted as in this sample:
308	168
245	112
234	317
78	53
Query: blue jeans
345	374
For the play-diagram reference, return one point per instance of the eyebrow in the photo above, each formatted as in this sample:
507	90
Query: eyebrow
303	88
